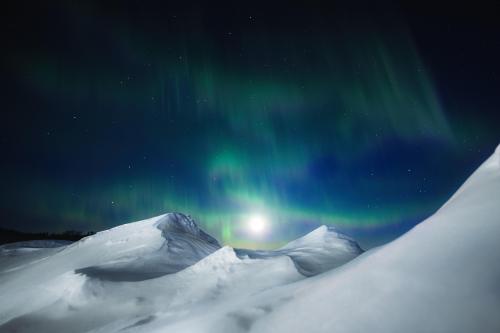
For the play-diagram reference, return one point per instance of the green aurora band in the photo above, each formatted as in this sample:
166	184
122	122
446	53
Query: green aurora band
223	127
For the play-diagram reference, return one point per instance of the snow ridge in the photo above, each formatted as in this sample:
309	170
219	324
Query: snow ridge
320	250
184	244
175	225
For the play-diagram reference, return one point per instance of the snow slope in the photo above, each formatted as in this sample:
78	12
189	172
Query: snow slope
183	245
166	275
314	253
14	256
131	252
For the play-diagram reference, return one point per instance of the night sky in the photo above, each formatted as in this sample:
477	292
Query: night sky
365	118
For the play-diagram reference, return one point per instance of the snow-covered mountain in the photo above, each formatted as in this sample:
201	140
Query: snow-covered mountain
166	275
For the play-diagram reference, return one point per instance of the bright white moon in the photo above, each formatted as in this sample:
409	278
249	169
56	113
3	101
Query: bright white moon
257	224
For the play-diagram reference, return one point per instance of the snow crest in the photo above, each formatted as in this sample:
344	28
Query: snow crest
184	244
319	251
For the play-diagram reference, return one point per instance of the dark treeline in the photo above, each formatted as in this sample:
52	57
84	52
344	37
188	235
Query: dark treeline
11	236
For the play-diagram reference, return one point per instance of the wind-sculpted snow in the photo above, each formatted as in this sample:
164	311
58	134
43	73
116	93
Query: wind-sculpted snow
316	252
165	263
184	244
166	275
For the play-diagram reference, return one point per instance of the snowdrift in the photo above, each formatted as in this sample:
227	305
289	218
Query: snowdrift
166	275
314	253
184	244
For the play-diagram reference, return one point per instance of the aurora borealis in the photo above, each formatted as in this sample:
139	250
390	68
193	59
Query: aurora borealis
363	119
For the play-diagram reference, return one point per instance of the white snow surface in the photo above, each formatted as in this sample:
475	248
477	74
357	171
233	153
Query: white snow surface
314	253
162	268
166	275
34	244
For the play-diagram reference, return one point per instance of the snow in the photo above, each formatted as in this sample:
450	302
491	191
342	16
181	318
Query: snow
166	275
14	256
183	245
314	253
34	244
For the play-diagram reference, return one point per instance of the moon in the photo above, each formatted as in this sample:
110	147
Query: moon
257	224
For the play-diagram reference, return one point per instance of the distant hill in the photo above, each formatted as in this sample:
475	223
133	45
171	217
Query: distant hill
11	236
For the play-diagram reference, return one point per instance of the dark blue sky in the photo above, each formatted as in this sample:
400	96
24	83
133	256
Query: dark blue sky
363	118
